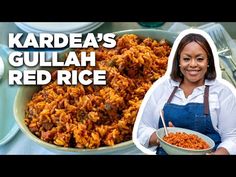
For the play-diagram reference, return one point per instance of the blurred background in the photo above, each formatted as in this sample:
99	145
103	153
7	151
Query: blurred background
6	27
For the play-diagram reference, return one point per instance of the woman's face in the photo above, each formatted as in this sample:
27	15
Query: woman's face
193	63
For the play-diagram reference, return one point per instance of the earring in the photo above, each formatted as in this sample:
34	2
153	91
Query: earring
207	65
179	65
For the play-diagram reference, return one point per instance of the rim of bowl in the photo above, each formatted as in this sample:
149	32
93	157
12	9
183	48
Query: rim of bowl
188	149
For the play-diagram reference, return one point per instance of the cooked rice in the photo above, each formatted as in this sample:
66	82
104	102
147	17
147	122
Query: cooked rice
184	140
95	116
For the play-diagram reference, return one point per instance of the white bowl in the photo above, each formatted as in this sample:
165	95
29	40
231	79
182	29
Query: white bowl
175	150
25	93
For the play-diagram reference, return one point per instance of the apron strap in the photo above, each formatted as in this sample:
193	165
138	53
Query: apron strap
206	100
172	94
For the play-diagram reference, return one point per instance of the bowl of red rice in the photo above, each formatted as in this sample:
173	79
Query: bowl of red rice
181	141
96	119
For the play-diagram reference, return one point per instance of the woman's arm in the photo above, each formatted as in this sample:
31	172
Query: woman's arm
227	122
148	116
148	123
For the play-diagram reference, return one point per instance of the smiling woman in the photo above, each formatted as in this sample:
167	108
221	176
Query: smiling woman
192	94
194	57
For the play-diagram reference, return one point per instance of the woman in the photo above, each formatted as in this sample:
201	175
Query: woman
192	95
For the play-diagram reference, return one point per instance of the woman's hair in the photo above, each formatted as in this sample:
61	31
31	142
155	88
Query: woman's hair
211	72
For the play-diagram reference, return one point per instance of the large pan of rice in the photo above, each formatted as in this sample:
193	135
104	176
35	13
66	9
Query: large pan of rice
96	119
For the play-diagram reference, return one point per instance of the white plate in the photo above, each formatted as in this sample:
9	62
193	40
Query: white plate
57	27
8	126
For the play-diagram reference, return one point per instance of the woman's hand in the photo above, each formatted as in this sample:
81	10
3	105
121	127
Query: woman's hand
153	141
170	124
219	151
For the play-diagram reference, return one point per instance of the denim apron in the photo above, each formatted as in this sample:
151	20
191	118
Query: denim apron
194	116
